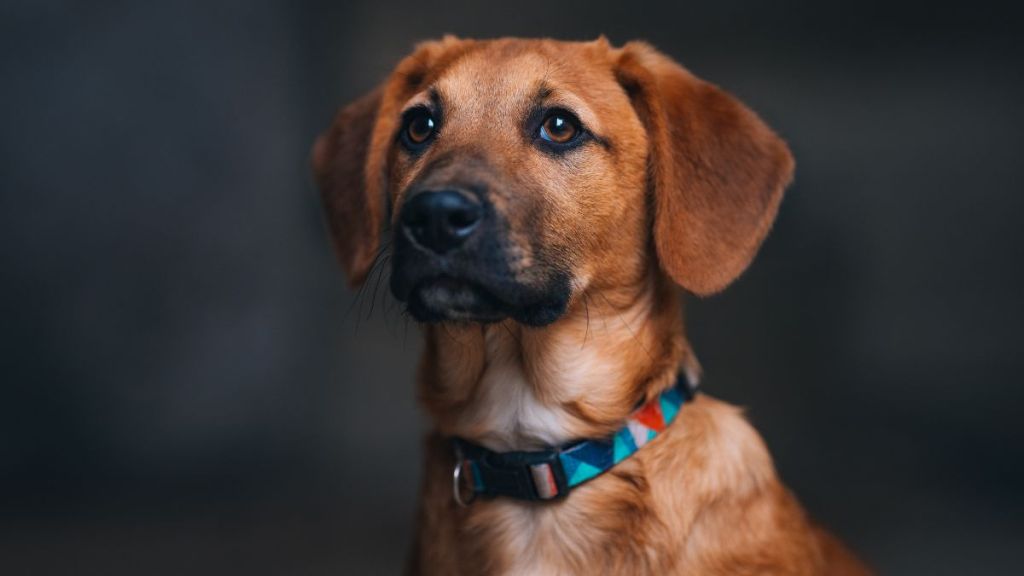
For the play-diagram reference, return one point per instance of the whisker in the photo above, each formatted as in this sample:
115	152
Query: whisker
382	256
376	286
628	328
586	307
510	333
444	326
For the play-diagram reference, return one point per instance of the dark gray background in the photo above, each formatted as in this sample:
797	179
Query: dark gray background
183	392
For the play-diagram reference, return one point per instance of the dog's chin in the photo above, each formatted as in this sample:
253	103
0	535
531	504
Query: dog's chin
447	299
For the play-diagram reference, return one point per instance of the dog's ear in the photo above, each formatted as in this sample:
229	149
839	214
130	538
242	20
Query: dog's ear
717	170
351	188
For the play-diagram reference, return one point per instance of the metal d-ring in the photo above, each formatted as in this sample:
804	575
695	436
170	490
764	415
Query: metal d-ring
456	481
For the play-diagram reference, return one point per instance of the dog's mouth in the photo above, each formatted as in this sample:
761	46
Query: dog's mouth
441	298
446	298
475	282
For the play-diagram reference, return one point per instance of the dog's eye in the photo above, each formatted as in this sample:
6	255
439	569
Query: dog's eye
419	128
559	128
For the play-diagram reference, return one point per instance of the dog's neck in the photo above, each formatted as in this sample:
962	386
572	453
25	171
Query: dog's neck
510	387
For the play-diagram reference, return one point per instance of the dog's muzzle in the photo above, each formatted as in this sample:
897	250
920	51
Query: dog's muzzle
451	261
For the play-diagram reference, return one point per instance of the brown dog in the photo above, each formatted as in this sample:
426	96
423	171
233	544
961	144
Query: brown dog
545	200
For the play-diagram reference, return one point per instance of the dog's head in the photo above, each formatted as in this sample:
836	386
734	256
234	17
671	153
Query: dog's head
517	174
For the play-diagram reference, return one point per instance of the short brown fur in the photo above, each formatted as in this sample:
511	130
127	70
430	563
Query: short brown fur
682	190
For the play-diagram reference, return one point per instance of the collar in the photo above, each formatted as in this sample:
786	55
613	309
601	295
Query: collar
552	473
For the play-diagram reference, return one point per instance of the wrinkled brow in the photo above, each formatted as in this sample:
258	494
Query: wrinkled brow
548	96
431	98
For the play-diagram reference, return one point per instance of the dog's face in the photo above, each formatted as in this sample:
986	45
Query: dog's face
518	174
511	168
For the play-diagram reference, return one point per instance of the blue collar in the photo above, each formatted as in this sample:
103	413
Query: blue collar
552	473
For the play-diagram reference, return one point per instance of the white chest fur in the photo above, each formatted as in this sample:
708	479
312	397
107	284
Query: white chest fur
528	378
508	407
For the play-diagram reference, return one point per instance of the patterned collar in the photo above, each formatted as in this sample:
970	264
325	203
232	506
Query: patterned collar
552	473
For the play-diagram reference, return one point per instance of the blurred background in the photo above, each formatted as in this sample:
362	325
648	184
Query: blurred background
187	386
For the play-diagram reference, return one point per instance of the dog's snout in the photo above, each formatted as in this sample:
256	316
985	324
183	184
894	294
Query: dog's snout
440	221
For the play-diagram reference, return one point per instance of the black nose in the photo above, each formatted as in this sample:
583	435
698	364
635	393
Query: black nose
440	221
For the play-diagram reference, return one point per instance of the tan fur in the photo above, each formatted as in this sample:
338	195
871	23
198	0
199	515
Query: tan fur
682	191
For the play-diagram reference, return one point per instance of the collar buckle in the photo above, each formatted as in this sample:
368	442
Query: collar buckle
458	484
523	475
548	476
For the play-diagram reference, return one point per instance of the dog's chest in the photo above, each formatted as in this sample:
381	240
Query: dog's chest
532	541
507	406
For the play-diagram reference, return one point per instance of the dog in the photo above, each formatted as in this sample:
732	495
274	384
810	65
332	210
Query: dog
541	203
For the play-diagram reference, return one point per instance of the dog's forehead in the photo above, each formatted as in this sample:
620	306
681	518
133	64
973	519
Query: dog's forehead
503	80
497	83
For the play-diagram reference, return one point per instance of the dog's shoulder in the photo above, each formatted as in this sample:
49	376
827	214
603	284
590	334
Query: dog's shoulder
712	446
715	486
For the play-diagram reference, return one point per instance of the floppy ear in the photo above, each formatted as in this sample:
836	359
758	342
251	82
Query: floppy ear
351	191
717	170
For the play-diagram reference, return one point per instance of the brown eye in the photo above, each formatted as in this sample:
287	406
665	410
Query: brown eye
559	128
419	128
